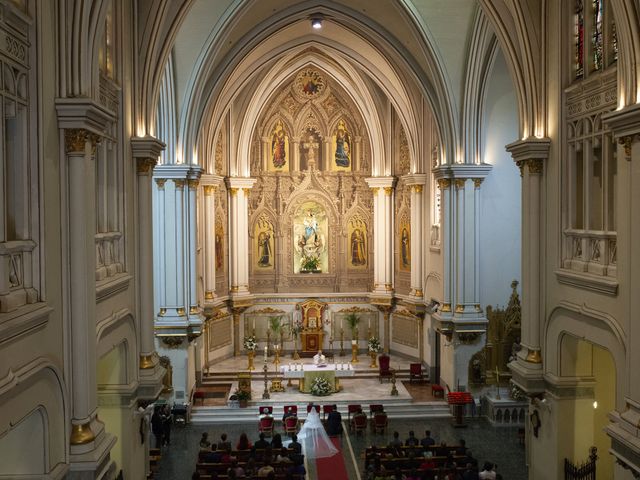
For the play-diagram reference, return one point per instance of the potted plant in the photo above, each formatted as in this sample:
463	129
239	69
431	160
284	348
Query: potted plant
353	320
310	265
243	397
374	347
320	387
250	345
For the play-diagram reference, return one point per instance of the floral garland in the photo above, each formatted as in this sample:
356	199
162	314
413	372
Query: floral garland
374	344
250	343
320	387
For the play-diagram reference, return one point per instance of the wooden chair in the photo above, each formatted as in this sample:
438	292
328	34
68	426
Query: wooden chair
380	422
437	390
266	425
290	425
415	372
352	409
385	371
198	395
359	424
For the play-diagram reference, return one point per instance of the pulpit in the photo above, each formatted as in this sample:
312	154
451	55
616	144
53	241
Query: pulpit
312	329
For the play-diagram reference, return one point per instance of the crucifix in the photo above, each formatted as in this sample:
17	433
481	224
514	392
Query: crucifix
312	147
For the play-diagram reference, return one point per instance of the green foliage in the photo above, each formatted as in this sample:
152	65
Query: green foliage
352	320
320	387
310	263
275	325
242	394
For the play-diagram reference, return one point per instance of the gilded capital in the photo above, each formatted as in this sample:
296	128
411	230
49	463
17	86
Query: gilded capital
75	140
520	164
209	190
193	183
417	188
626	142
388	191
375	190
444	183
145	165
179	183
477	182
459	182
160	182
536	166
233	191
81	434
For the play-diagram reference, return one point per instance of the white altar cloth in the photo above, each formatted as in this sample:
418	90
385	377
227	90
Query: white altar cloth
346	370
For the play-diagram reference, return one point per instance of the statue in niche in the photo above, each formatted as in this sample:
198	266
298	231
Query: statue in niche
358	252
405	245
278	146
264	247
310	227
342	146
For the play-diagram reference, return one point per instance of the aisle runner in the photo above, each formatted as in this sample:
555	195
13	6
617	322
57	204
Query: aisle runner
332	468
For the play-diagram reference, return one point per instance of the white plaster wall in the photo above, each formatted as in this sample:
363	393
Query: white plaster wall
23	448
178	358
500	215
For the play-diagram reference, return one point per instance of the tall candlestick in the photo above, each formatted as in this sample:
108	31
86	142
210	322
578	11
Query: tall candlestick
266	354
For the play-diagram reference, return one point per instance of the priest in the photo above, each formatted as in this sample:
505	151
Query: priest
319	359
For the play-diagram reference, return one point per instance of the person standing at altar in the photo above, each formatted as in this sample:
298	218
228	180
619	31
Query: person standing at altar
319	358
334	423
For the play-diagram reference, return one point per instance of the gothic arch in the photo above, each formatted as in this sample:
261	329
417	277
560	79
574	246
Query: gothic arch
596	327
119	328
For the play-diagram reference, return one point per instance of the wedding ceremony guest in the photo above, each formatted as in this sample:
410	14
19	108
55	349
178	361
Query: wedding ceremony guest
243	442
204	441
334	423
295	445
427	441
223	444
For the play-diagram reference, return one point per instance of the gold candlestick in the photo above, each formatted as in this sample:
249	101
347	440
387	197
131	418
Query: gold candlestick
374	356
341	342
295	356
354	352
250	356
276	360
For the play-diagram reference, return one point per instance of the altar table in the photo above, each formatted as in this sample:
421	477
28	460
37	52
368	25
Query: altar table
308	372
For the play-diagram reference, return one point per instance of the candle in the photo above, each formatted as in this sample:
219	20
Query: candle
254	324
266	353
341	323
369	323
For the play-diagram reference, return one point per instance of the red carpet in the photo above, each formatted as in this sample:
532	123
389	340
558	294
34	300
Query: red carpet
332	468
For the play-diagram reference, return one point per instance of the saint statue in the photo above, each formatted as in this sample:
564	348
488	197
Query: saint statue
278	146
343	145
406	248
319	359
358	257
264	249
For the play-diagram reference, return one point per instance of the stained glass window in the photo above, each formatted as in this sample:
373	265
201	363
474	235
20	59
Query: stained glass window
579	38
596	35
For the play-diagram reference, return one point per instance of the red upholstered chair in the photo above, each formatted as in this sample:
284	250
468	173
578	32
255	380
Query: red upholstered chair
266	410
198	395
317	407
385	371
380	422
375	408
326	409
415	372
352	409
359	424
290	425
294	409
266	425
437	390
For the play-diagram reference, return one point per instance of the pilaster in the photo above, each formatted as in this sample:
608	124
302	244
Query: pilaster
417	183
239	234
210	184
382	188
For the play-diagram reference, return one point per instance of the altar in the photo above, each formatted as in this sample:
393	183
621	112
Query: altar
306	373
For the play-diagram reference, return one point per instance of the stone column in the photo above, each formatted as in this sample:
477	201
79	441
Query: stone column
210	184
382	188
239	234
327	158
195	316
417	182
266	153
446	220
145	152
294	154
530	155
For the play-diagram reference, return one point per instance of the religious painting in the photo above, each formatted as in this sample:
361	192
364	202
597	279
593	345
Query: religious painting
310	233
264	244
309	84
342	147
279	147
357	248
219	244
404	245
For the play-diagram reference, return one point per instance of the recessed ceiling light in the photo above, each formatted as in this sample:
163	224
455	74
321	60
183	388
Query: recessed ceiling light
316	22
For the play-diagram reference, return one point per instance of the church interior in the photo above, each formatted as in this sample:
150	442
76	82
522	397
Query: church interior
222	209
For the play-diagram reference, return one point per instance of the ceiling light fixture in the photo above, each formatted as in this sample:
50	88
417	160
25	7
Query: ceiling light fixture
316	22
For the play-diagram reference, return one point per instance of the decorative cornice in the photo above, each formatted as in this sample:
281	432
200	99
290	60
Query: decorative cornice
356	310
624	122
462	170
529	149
381	182
146	147
267	310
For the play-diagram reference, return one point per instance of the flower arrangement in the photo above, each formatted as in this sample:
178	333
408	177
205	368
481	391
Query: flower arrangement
295	328
320	387
310	264
374	344
250	343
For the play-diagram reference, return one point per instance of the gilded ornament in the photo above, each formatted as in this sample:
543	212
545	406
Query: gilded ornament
459	182
444	183
536	166
145	165
417	188
193	183
81	434
179	183
477	182
209	190
446	307
459	308
233	191
208	295
193	310
160	182
162	312
534	356
75	140
146	362
388	191
626	142
419	292
520	164
375	190
180	311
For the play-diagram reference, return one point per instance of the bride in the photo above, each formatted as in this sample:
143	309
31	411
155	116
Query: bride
317	443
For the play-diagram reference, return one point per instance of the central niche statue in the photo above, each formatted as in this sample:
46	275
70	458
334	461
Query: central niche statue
309	229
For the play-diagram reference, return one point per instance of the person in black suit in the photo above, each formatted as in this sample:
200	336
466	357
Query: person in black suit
334	423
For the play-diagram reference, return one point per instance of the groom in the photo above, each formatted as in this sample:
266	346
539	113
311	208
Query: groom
319	358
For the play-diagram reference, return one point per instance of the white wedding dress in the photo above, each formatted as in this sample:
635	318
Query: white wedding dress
314	439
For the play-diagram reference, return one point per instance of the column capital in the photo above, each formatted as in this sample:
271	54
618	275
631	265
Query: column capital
146	147
380	182
240	182
76	139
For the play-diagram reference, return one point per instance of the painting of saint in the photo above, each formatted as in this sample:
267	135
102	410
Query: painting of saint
264	247
309	230
358	252
342	146
219	256
405	252
278	146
